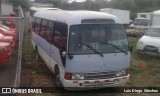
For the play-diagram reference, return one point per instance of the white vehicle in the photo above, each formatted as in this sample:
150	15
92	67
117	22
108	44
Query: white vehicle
82	48
155	18
140	23
150	42
124	15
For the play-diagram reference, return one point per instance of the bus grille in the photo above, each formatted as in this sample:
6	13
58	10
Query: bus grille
100	75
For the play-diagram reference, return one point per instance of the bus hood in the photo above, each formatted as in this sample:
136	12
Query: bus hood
96	63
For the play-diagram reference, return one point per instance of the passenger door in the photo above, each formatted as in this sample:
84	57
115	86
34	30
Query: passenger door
59	43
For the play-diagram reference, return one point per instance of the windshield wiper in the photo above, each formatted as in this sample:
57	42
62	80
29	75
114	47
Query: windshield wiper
90	47
122	50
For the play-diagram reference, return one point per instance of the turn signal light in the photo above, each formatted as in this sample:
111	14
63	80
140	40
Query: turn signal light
68	76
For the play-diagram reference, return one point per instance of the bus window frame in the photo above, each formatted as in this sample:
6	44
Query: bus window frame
62	34
51	31
39	25
44	31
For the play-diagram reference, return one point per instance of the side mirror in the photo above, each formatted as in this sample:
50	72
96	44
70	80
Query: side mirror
64	54
70	56
131	48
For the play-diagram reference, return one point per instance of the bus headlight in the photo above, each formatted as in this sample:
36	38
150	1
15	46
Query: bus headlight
121	73
77	77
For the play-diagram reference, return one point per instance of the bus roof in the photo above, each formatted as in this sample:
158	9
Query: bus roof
74	17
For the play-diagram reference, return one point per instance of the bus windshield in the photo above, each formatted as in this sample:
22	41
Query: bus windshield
97	38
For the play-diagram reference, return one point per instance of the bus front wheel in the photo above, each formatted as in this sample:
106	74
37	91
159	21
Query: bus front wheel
58	83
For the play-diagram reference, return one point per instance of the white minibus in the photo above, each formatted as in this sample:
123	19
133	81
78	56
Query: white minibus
84	49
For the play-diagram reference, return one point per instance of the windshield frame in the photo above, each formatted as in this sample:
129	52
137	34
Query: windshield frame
69	40
141	22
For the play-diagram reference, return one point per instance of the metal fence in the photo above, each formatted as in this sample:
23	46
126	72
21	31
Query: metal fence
10	72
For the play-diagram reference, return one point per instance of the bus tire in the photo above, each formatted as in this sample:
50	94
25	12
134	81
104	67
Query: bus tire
58	83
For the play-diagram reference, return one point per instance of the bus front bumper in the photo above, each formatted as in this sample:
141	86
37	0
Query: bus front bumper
94	84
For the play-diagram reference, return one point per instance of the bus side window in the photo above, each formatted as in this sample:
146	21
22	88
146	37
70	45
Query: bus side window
60	36
49	31
43	27
37	25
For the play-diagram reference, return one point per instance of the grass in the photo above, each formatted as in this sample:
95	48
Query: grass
29	55
145	69
142	60
134	70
